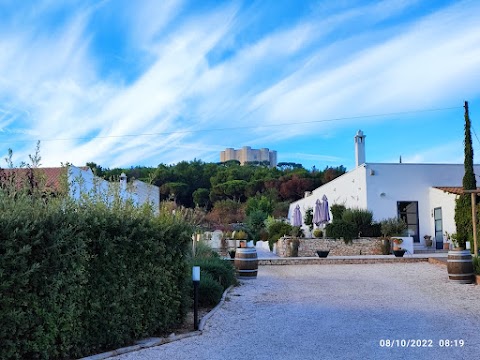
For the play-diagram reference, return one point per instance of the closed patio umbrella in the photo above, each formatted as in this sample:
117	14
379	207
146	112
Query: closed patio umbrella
317	214
297	217
324	210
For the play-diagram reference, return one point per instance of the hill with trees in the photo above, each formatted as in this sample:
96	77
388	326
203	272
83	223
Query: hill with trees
228	192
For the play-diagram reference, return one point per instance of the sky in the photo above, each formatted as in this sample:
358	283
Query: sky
139	83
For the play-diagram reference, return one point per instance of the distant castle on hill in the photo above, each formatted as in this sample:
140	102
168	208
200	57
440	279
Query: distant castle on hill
247	154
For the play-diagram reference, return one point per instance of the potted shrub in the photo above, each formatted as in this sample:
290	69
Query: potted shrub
294	243
428	240
242	236
318	233
396	243
459	261
397	249
452	237
390	227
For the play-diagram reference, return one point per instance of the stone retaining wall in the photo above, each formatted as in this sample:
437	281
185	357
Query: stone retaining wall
308	247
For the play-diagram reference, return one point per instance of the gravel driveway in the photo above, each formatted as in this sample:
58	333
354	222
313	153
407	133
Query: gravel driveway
338	312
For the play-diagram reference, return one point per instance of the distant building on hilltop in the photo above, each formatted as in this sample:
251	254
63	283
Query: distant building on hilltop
247	154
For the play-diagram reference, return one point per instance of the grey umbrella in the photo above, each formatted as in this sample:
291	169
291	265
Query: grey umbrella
317	214
324	210
297	217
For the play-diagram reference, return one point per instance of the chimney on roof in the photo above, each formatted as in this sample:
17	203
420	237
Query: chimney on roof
123	181
359	148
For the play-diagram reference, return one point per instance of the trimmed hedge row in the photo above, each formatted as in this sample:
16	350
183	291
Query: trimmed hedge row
77	279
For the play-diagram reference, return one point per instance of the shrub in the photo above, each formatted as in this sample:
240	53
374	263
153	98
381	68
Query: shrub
204	250
276	230
359	217
476	265
308	218
80	278
210	291
240	235
337	211
221	270
393	227
341	229
318	233
297	231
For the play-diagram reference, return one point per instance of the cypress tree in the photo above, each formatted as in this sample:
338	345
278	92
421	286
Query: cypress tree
463	210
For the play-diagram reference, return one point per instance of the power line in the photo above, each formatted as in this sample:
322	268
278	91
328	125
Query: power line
248	127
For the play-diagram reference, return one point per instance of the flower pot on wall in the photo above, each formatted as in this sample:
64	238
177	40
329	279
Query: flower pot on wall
322	253
399	253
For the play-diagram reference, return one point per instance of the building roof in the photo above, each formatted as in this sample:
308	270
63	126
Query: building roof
457	190
51	176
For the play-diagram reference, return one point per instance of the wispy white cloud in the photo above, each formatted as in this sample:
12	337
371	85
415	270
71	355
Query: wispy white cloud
424	66
357	61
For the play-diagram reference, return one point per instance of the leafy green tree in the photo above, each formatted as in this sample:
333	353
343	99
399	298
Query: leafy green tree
255	223
173	190
233	189
262	203
201	197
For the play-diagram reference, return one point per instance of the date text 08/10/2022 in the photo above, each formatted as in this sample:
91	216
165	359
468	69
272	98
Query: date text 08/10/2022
420	343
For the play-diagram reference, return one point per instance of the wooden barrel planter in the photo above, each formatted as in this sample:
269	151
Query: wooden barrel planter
460	266
246	262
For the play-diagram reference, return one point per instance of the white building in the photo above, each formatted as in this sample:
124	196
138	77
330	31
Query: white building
83	181
247	154
422	194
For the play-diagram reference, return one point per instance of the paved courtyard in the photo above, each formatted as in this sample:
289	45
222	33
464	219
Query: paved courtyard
374	311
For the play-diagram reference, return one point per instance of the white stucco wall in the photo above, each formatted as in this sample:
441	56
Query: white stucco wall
348	189
410	182
378	187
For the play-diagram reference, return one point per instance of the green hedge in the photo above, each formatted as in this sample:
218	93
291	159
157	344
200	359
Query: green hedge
81	279
221	270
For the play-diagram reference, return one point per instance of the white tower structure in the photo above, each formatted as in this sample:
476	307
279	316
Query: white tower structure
359	148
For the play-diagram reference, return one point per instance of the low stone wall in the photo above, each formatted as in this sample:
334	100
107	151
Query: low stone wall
308	247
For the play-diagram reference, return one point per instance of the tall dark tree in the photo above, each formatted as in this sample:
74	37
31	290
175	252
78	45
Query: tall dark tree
463	210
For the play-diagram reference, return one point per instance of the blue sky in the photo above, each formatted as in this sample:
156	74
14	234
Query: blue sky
124	83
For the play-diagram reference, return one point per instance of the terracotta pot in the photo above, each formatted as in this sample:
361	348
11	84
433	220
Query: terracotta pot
477	277
446	246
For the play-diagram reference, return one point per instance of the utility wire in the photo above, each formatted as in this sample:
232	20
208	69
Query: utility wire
248	127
